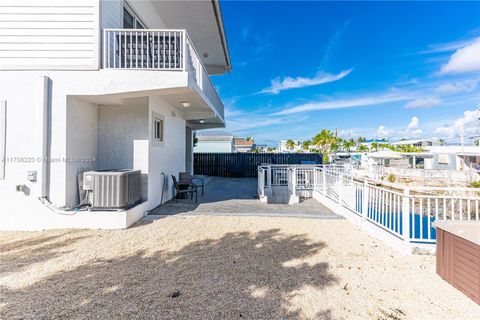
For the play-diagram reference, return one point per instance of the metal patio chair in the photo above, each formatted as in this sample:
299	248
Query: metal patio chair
186	177
182	188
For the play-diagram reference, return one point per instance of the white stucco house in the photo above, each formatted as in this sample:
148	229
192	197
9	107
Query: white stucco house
214	142
95	85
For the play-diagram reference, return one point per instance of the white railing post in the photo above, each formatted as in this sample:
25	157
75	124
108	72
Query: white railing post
184	45
269	177
406	215
365	199
341	190
105	48
261	182
294	180
324	182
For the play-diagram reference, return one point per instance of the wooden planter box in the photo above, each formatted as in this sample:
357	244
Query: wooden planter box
458	255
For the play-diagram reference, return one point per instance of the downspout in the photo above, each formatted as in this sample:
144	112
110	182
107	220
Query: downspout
46	127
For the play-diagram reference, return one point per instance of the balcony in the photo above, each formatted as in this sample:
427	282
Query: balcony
160	50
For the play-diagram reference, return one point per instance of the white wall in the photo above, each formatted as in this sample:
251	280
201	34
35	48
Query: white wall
119	128
168	158
111	14
24	135
82	143
64	36
147	13
214	146
123	139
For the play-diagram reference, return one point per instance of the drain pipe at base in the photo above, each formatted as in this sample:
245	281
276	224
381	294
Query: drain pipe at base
161	197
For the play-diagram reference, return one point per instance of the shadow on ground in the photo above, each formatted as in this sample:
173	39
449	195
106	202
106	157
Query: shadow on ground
241	275
21	254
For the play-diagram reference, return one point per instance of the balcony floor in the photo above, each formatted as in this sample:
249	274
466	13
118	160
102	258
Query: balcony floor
238	197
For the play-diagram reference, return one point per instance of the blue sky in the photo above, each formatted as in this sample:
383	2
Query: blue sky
373	69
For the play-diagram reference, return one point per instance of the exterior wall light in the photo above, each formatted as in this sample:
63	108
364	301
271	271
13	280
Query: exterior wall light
186	104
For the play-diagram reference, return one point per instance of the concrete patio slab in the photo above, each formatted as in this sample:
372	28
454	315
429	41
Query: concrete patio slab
238	197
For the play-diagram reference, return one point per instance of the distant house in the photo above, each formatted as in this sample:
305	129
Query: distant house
243	145
432	158
369	142
212	142
456	157
263	148
418	142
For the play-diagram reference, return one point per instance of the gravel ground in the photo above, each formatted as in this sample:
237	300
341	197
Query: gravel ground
207	267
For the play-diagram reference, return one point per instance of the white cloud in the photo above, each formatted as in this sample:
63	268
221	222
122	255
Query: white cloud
383	132
423	103
465	59
467	121
347	133
346	103
414	122
456	87
300	82
332	42
447	47
244	121
413	128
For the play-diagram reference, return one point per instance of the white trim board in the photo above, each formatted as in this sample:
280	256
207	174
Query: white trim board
3	136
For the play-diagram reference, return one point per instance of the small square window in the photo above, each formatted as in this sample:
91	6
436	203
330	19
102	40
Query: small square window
158	130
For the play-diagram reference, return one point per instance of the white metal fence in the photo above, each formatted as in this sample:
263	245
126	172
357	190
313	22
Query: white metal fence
407	213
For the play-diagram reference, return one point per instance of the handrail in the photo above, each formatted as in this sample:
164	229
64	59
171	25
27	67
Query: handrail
187	36
144	30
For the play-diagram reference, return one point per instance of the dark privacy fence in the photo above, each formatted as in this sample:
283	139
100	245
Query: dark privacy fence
245	164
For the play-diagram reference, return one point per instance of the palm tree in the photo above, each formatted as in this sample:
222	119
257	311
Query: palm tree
389	147
362	148
324	141
290	144
336	144
409	148
348	144
306	145
361	139
375	146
